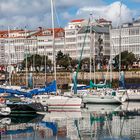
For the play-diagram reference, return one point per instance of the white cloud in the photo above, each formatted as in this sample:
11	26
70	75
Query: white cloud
78	3
34	13
110	12
19	13
66	15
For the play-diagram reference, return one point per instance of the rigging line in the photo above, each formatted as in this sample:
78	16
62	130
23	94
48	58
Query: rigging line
79	62
58	21
55	12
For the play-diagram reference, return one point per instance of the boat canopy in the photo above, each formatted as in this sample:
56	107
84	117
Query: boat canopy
102	85
51	87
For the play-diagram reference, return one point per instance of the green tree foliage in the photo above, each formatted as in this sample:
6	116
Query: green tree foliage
127	59
85	63
48	61
63	60
74	63
35	61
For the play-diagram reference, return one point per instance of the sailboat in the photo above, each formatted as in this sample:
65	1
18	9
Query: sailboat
56	101
103	94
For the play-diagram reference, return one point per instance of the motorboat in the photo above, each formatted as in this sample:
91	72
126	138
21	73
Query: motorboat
26	107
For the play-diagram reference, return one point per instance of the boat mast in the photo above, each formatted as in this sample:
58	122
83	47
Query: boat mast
120	38
45	65
26	61
91	43
53	39
110	61
9	63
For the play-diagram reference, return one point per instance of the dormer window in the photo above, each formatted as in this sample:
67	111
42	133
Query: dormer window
5	35
47	33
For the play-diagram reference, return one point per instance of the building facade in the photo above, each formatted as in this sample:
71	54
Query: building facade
71	31
88	37
16	44
126	38
75	38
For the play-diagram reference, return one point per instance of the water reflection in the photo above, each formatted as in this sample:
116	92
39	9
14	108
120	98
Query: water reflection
96	122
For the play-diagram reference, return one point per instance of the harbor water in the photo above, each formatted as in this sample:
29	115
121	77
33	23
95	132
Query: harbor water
95	122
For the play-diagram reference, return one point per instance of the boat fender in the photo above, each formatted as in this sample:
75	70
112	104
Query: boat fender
2	100
45	108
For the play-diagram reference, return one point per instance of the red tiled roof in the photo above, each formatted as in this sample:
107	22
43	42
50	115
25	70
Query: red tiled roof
56	29
41	32
4	33
103	20
77	20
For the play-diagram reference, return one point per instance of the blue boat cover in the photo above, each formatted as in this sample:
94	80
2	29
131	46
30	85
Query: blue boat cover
51	87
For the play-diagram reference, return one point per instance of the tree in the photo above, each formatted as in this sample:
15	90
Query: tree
127	58
63	60
85	63
74	63
48	62
36	61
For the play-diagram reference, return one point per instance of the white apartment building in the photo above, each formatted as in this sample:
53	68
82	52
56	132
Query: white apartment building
2	51
126	38
16	44
75	34
71	31
88	37
45	41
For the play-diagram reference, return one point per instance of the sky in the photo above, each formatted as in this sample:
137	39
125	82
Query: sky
32	14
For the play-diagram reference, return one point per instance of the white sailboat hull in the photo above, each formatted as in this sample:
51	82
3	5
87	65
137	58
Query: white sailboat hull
101	99
133	95
59	102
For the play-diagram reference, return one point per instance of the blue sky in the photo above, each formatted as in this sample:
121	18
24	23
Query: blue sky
134	4
35	13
